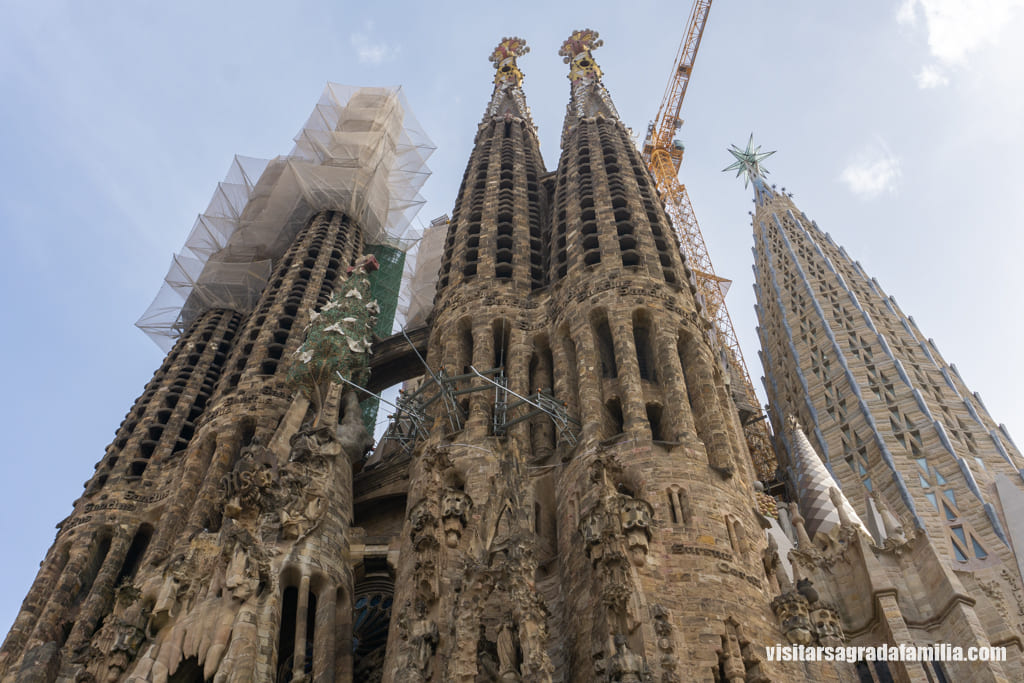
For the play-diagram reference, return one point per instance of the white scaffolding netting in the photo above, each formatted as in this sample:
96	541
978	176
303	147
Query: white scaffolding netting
419	286
361	152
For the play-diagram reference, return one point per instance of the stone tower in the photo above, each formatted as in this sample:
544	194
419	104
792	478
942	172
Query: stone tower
583	506
213	541
564	493
926	468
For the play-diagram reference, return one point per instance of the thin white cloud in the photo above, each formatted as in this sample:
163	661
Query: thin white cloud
370	51
931	76
875	171
955	29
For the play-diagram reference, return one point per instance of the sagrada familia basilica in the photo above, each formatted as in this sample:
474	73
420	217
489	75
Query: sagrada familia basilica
565	492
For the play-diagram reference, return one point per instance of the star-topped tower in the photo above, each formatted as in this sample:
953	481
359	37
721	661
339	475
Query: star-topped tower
911	448
508	99
748	164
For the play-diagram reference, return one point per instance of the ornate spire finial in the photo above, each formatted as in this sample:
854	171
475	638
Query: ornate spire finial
504	60
576	51
508	100
589	96
748	163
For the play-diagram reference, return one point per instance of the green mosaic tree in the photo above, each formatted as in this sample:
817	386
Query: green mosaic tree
338	337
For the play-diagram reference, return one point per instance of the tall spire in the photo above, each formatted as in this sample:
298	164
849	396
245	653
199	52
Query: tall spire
819	493
748	164
589	97
508	98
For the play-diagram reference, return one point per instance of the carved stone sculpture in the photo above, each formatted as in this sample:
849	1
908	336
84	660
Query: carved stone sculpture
827	626
455	506
248	487
636	517
592	530
423	637
352	437
791	610
894	534
626	665
508	655
421	522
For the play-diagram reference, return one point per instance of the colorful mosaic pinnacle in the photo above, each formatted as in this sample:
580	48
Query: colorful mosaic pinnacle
504	60
576	50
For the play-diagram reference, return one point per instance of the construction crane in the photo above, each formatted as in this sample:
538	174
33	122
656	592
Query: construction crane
663	152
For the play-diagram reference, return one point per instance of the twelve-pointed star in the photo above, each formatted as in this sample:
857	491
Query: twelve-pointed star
748	161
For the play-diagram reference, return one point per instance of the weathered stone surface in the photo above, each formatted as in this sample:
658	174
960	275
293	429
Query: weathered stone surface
586	511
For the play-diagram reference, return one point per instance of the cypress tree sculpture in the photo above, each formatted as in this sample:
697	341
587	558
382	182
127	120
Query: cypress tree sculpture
338	337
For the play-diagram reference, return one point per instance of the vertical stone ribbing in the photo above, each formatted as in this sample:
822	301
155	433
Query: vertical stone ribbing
301	281
870	385
163	420
496	227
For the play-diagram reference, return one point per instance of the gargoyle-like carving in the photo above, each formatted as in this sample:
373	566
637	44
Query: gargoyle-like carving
663	629
792	613
636	517
310	442
455	506
592	526
304	484
827	626
731	656
422	521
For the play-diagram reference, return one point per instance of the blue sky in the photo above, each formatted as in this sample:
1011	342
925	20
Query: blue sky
897	126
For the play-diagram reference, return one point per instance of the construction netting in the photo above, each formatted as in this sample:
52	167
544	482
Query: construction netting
385	283
418	287
361	152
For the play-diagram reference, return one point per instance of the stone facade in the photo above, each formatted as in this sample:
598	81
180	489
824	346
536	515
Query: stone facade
571	499
629	549
914	452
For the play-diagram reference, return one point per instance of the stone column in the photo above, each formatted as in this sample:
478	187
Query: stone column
343	635
101	595
631	391
483	359
39	657
590	406
325	637
541	428
196	459
33	605
227	448
301	615
677	420
518	369
700	383
565	372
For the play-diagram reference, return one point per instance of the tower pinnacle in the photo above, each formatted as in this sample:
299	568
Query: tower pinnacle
508	98
589	97
748	164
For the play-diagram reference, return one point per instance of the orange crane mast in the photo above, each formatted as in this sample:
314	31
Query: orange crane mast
663	153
